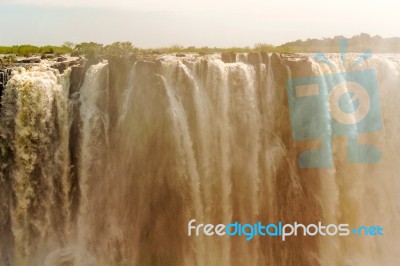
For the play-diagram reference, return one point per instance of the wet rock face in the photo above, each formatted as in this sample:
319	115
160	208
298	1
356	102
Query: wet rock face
228	58
254	58
63	63
76	78
47	56
4	77
30	60
61	59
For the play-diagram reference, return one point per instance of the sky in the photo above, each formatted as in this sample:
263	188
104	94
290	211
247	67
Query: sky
213	23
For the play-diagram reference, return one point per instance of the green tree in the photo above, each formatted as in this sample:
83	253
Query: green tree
90	49
119	49
69	45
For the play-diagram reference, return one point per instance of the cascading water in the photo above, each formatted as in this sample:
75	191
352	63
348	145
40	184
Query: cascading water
111	174
34	165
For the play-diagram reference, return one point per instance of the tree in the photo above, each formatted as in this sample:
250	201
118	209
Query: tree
119	49
69	45
90	49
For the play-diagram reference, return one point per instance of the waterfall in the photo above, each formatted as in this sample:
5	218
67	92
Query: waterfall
34	165
111	172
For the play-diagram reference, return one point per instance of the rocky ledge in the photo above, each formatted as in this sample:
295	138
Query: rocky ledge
61	63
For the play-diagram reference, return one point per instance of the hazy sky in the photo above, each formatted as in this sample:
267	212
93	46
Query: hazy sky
222	23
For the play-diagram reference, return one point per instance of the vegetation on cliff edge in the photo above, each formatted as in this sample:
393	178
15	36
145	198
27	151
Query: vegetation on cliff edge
357	43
